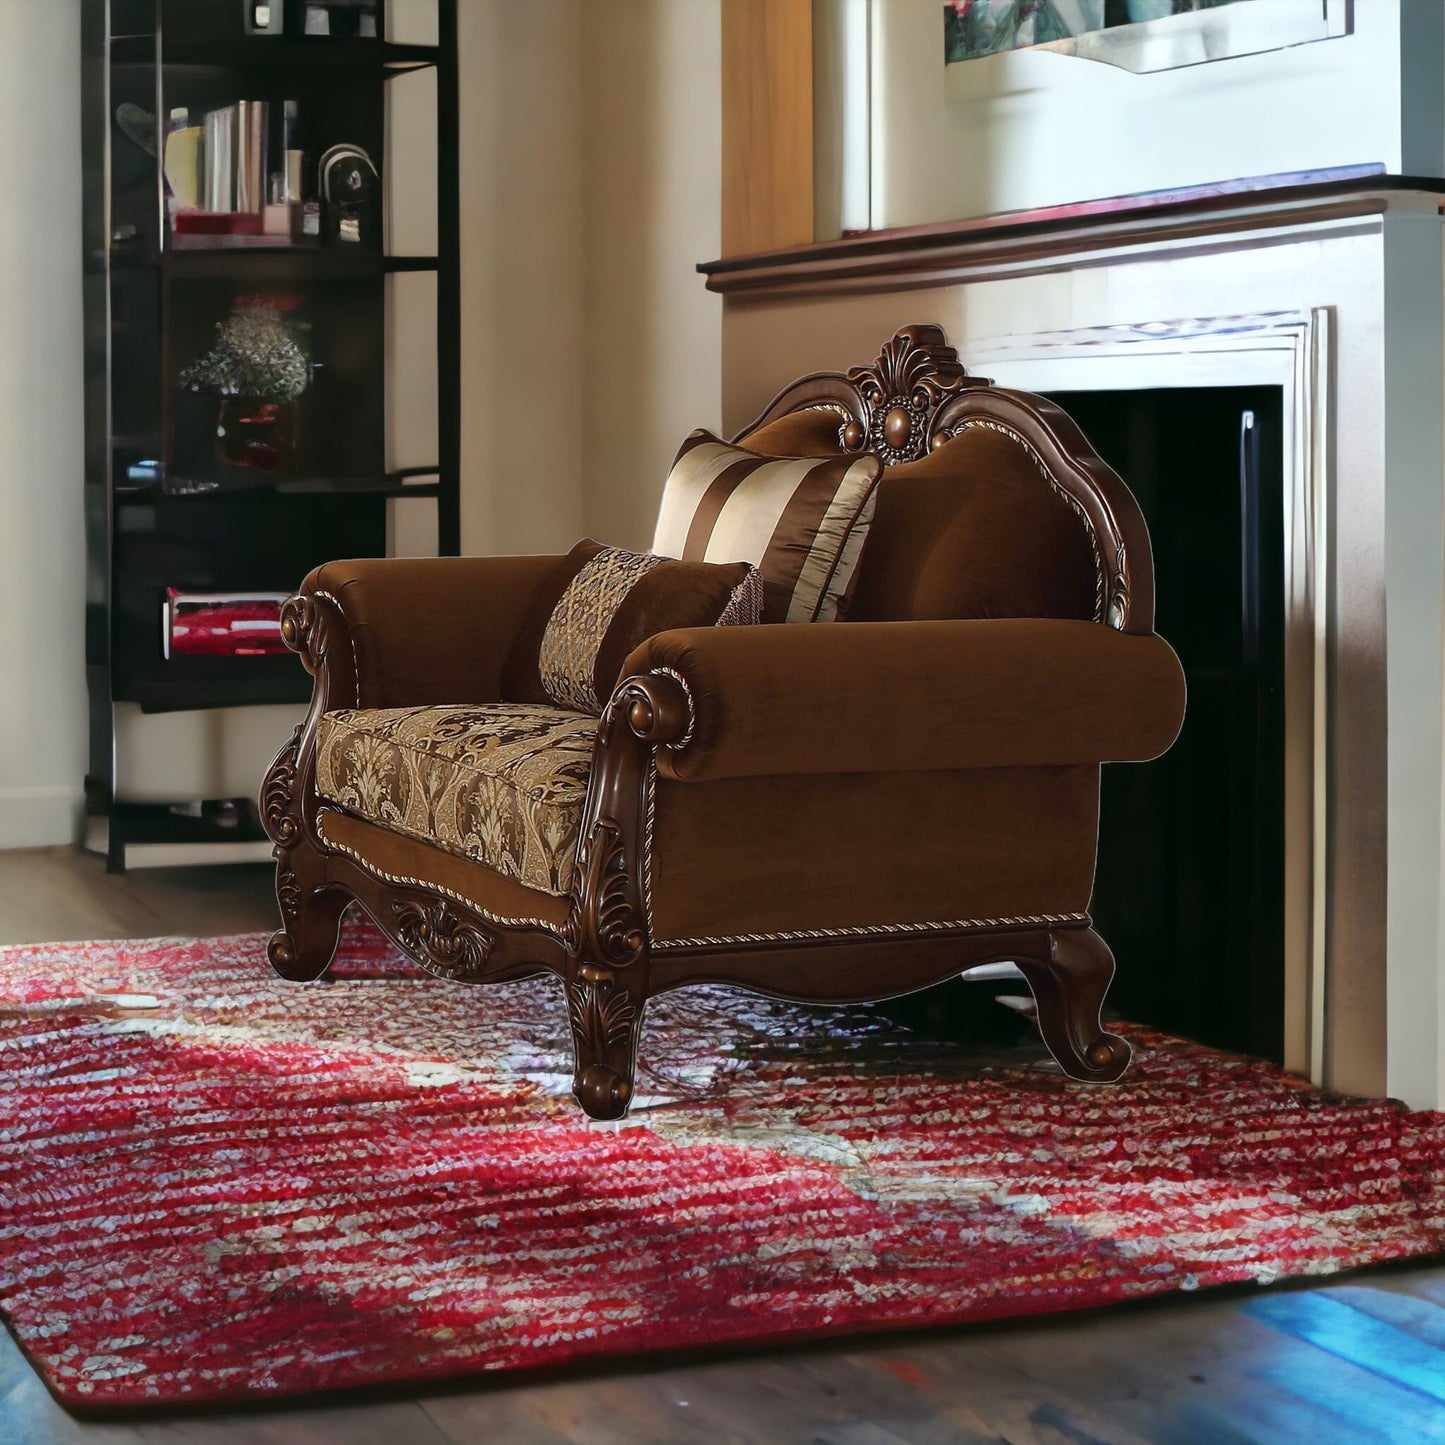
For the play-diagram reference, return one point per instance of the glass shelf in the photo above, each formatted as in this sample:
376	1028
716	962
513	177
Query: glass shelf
228	257
392	484
258	51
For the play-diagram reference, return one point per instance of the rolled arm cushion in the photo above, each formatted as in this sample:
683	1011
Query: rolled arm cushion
425	630
864	697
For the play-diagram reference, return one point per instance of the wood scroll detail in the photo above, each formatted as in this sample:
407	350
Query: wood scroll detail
447	945
901	392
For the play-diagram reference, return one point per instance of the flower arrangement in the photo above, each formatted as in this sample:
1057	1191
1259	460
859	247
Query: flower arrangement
260	354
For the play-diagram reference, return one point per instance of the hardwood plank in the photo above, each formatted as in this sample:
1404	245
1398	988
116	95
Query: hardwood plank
59	894
29	1416
1179	1372
1424	1318
388	1423
767	124
1333	1325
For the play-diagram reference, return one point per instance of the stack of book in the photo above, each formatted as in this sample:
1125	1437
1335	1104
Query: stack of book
221	624
217	172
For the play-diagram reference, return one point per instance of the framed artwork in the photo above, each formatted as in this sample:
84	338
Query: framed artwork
1140	35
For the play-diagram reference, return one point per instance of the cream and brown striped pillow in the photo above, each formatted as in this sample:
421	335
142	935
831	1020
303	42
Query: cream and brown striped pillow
801	521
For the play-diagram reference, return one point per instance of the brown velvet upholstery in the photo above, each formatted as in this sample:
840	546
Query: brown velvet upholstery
841	811
426	631
863	697
869	850
809	433
974	529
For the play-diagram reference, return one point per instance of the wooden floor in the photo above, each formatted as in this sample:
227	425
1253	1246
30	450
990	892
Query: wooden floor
1358	1361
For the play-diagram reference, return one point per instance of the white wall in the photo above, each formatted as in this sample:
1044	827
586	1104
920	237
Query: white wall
42	542
1034	128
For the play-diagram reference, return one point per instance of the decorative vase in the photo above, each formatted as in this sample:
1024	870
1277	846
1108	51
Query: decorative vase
254	433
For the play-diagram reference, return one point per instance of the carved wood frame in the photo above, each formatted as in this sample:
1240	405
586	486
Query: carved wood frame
915	396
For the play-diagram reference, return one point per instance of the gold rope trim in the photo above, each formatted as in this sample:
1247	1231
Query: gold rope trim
380	873
350	637
691	728
878	930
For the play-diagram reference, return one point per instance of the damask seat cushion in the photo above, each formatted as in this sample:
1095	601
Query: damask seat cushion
502	784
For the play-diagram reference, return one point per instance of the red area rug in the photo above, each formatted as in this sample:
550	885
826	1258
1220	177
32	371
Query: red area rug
216	1185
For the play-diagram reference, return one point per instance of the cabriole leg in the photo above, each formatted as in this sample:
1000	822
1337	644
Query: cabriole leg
303	947
1069	987
605	1007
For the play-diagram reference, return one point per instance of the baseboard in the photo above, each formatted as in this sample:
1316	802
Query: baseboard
39	817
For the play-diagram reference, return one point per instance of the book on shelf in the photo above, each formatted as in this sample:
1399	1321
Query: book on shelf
217	172
185	162
221	624
220	138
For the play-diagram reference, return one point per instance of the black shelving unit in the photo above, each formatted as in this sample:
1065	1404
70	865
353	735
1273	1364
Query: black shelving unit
166	507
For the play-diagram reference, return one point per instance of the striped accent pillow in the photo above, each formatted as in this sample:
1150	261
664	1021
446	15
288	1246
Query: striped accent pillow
600	603
801	521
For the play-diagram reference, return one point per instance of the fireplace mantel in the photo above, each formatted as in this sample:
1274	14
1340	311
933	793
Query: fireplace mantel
1063	237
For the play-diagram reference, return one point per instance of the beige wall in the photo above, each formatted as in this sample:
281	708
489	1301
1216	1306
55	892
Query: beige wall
522	249
652	211
590	179
42	545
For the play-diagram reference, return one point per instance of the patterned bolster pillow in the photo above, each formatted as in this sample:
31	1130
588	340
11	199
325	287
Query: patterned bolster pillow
801	521
604	601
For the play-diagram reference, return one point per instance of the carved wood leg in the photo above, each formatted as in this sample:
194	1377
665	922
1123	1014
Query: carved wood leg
303	947
605	1006
1069	985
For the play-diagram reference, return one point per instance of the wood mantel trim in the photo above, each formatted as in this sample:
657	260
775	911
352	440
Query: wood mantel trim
1024	240
767	124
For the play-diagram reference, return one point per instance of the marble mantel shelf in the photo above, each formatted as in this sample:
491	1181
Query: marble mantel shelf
1016	242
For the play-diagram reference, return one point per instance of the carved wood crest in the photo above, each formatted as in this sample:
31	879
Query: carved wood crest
915	373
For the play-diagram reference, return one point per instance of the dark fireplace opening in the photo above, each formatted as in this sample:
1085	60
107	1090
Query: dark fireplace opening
1190	884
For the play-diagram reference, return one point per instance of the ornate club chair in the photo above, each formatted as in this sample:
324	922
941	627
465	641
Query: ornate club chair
827	812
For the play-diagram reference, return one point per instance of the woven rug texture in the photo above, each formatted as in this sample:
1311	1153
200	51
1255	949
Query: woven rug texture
216	1185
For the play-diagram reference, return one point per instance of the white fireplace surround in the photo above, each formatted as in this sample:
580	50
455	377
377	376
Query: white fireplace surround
1291	350
1347	315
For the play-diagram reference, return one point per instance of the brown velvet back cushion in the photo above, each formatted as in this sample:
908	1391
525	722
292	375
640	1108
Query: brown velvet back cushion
602	602
973	529
812	432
